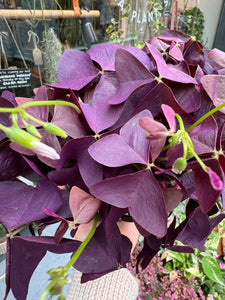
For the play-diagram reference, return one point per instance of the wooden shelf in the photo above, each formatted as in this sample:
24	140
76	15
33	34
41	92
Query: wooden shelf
45	14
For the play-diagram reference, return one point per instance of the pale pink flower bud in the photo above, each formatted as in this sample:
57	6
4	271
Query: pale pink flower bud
215	180
44	150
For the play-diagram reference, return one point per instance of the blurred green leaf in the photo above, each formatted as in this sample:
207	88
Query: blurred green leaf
212	269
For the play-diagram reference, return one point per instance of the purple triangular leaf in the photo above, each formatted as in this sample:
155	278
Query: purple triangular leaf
140	192
204	136
113	151
206	194
196	231
215	88
19	202
5	117
111	220
135	136
77	149
26	253
188	97
105	256
70	74
72	124
129	68
104	55
166	71
12	163
126	89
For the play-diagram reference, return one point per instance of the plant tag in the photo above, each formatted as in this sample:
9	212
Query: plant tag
37	55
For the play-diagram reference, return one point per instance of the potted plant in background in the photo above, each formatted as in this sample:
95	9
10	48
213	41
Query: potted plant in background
130	134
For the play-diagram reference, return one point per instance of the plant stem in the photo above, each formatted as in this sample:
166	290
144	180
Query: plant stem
3	128
38	103
33	119
50	102
211	112
8	110
72	260
83	245
180	121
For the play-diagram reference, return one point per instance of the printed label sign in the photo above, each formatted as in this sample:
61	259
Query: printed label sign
14	78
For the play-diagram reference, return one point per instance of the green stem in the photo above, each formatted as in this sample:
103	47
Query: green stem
180	121
9	110
185	147
211	112
48	288
73	259
3	128
83	245
26	115
38	103
204	167
50	102
14	119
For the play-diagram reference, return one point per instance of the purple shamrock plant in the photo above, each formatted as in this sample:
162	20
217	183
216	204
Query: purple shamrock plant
129	134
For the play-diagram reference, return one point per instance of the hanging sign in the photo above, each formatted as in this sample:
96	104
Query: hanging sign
14	78
143	16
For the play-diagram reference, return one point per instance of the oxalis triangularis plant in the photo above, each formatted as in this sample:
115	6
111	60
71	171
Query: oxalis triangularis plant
129	133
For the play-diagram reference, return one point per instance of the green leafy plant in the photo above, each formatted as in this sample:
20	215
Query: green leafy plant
200	265
113	31
156	12
194	20
2	231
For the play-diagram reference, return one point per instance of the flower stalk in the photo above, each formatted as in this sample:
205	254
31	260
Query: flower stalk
59	275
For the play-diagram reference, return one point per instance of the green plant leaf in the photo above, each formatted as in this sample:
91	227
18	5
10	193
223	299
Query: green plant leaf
168	267
194	271
177	256
212	269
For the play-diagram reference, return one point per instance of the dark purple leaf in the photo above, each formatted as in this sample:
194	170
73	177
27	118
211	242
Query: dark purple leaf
104	55
215	88
68	119
206	194
10	97
135	136
4	117
172	198
194	54
113	151
188	97
97	111
131	75
204	136
196	231
111	220
25	255
69	73
68	176
105	256
140	192
166	71
126	89
77	150
12	163
19	202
